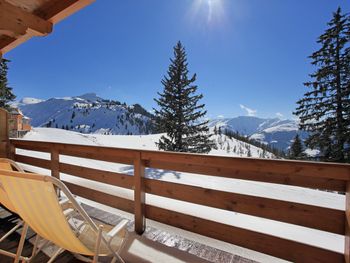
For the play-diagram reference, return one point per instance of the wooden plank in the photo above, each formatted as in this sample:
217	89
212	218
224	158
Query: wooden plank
139	195
15	21
5	41
97	154
276	178
11	151
57	11
51	12
271	245
108	154
210	167
55	160
55	170
100	197
32	146
112	178
33	161
347	225
283	167
4	133
294	213
11	43
295	180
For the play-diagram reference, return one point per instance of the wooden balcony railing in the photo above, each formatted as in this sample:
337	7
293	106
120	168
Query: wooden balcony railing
323	176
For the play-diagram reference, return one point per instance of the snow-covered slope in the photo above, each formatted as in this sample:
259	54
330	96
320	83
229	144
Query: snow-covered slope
88	113
25	101
275	132
225	146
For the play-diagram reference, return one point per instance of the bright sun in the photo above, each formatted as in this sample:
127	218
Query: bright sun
211	9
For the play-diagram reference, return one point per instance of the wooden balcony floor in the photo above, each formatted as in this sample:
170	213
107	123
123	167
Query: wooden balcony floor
152	242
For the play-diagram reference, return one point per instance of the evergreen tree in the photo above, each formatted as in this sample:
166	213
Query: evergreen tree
249	153
325	110
180	113
6	94
296	149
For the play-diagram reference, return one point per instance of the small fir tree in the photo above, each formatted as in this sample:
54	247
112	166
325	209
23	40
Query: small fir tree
6	94
296	149
325	110
180	114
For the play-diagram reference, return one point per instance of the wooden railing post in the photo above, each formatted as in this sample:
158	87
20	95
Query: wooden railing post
55	162
4	133
347	224
139	194
55	159
11	151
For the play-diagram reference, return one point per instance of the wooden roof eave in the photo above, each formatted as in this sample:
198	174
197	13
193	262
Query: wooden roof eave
20	20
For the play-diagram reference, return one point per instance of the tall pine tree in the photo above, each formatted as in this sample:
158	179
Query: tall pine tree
296	149
180	114
6	94
324	111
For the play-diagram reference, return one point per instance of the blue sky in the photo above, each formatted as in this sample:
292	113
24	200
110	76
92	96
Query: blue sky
250	56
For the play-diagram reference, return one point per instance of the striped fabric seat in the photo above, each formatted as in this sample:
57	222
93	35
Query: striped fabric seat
9	165
34	198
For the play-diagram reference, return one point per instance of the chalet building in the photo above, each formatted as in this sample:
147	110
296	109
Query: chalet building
19	124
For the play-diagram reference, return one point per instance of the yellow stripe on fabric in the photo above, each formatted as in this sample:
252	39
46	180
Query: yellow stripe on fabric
5	166
37	203
3	195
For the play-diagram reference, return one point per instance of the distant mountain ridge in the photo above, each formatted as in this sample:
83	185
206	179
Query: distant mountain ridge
88	113
276	132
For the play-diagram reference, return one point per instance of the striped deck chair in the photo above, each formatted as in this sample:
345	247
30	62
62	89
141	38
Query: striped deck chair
9	165
33	197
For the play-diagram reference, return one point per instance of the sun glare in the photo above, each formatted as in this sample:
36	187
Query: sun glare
212	10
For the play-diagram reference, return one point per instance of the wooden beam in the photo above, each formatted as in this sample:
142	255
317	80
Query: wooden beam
38	23
321	218
55	161
46	164
15	21
5	41
4	133
268	244
9	43
60	9
100	197
239	172
106	177
263	166
139	195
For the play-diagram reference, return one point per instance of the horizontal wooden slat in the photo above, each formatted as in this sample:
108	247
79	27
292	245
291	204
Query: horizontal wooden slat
97	154
276	178
300	214
265	166
275	246
118	179
33	161
100	197
33	147
108	154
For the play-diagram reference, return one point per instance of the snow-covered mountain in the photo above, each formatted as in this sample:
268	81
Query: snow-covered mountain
87	113
274	131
